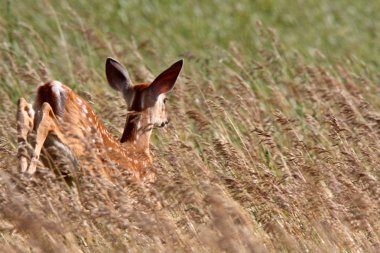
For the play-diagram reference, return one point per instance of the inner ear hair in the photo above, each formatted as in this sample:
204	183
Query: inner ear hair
165	81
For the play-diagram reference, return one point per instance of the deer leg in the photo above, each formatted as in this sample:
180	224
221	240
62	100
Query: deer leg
25	119
45	123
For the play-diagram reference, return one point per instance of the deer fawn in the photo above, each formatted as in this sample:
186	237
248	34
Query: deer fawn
61	118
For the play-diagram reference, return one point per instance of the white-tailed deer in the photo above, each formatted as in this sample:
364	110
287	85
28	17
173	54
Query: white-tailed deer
60	117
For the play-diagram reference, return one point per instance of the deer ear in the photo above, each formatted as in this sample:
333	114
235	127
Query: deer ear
165	81
117	75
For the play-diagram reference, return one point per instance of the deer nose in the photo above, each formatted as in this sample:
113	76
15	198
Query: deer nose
165	123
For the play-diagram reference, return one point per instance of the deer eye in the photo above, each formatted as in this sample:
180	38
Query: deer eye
165	99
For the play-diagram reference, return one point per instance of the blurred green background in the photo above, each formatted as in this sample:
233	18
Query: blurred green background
337	28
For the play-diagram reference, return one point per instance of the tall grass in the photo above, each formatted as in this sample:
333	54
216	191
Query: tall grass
273	144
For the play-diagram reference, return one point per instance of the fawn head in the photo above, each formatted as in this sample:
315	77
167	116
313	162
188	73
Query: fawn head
145	101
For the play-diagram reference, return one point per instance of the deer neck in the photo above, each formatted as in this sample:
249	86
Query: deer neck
136	135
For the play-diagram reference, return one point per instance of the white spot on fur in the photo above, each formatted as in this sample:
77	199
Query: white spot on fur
56	87
30	111
84	109
90	119
79	101
136	162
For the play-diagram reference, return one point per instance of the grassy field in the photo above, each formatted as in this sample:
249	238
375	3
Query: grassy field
274	141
